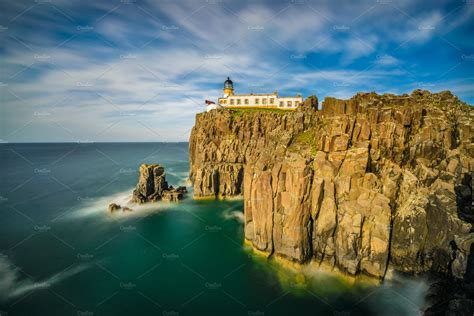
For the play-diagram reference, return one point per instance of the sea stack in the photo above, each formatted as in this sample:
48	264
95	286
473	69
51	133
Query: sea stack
152	186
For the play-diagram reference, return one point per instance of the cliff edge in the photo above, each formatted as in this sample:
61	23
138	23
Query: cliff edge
364	184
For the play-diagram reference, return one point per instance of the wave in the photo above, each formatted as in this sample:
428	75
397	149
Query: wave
99	207
13	284
232	214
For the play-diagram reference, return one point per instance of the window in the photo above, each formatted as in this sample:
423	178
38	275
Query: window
272	100
281	103
297	103
231	101
257	101
246	101
289	103
223	101
238	101
264	101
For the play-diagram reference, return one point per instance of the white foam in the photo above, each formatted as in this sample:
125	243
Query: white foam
13	285
234	215
99	207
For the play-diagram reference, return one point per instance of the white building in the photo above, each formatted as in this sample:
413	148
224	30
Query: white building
257	100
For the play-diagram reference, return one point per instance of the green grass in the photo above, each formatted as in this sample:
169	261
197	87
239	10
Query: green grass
240	111
306	139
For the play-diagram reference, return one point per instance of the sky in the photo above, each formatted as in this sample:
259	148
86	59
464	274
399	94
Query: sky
139	71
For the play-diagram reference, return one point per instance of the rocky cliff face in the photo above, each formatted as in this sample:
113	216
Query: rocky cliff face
373	182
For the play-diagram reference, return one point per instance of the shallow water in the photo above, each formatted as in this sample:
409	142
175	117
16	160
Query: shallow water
62	253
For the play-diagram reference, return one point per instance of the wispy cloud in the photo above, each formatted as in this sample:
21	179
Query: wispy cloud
139	71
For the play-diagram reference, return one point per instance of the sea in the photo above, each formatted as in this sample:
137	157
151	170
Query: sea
63	253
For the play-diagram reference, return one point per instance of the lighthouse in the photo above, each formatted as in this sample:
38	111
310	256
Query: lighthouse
256	100
228	87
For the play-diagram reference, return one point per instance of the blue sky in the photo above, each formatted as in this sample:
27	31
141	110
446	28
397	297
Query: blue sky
140	70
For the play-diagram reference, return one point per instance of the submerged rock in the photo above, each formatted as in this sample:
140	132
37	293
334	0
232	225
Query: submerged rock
152	186
113	207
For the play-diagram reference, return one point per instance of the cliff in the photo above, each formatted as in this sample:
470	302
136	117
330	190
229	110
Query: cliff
365	184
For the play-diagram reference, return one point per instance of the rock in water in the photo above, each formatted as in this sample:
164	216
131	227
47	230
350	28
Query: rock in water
152	186
114	207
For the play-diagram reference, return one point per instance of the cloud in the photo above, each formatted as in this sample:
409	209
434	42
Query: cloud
144	69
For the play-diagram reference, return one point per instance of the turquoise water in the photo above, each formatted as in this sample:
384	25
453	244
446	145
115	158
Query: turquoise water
62	253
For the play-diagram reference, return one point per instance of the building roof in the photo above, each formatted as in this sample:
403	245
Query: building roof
228	81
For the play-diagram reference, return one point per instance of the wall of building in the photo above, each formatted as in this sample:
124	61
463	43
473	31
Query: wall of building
267	100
